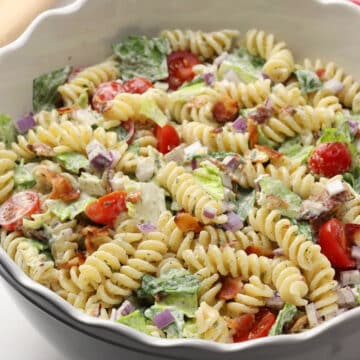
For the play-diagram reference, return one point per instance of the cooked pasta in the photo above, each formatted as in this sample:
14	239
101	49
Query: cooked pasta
197	177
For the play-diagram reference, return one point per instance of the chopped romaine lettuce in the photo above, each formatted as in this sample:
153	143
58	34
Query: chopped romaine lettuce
198	79
294	150
83	100
68	211
151	110
7	130
221	155
357	296
190	330
23	178
135	320
45	93
286	314
73	162
142	56
208	176
255	61
173	330
175	281
245	202
277	195
243	65
308	80
303	228
38	245
353	178
187	303
186	93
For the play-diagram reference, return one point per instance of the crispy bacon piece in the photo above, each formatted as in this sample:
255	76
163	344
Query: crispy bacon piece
261	114
230	288
186	222
226	109
41	149
273	154
253	133
90	232
252	249
78	260
66	109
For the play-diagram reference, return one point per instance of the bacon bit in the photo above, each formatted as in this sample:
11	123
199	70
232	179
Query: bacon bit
226	109
252	249
67	109
320	73
78	260
217	130
253	133
241	326
41	149
186	222
90	232
261	114
61	186
273	154
352	232
230	288
134	197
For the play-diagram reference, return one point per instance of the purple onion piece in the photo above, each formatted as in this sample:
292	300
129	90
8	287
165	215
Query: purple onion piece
278	252
355	252
346	297
234	222
98	156
231	162
126	308
146	227
220	59
209	78
269	103
353	126
275	302
231	76
25	123
240	125
163	319
261	114
226	180
209	212
264	76
349	277
194	164
334	85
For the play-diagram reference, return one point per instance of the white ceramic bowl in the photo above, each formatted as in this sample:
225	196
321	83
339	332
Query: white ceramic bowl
82	33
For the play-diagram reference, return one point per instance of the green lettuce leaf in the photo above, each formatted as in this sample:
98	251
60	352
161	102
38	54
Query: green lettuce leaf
353	178
221	155
245	202
73	162
135	320
184	94
303	228
295	151
308	80
45	93
7	130
142	56
187	303
39	246
68	211
289	203
357	296
286	314
208	176
175	329
151	110
190	330
23	178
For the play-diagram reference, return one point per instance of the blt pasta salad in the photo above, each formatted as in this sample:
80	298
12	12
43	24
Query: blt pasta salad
192	185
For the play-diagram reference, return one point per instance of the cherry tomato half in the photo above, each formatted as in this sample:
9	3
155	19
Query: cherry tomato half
106	209
230	288
13	210
137	85
262	326
167	138
180	64
242	326
330	159
104	93
334	246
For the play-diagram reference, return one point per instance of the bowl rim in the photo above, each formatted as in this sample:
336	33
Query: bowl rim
27	284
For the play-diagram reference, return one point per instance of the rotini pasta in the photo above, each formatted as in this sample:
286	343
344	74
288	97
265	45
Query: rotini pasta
7	165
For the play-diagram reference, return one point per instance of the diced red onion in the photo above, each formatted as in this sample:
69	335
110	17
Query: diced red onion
231	162
261	114
209	78
353	126
209	212
25	123
228	206
240	125
355	252
231	76
115	157
234	222
220	59
346	297
278	252
98	156
312	315
194	164
126	308
335	187
275	302
334	85
264	76
163	319
268	103
349	277
146	227
226	180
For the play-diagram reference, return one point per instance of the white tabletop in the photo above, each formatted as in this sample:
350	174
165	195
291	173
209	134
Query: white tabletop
18	339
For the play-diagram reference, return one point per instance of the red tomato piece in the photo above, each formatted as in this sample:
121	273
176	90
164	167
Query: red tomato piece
13	210
230	288
262	326
104	93
167	138
334	246
352	232
330	159
106	209
242	326
180	64
137	85
320	72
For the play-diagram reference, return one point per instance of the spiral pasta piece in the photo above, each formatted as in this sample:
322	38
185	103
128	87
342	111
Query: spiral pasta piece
87	80
188	193
247	95
324	99
206	45
350	211
215	141
7	165
281	97
252	296
211	325
279	60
